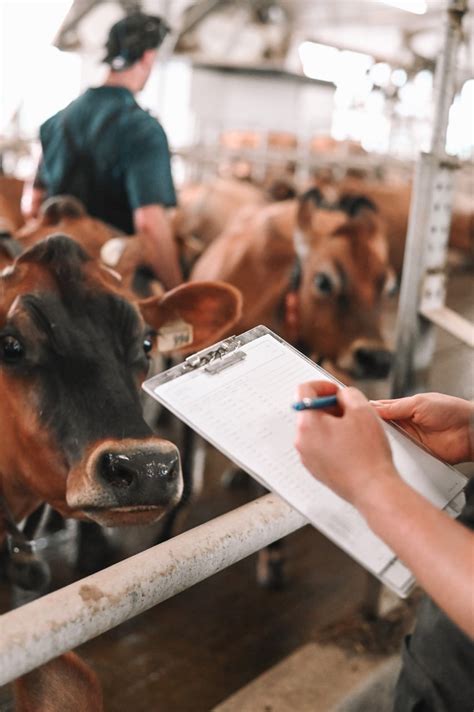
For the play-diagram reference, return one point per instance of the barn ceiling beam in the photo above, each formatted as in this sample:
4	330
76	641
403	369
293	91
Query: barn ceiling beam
197	12
67	38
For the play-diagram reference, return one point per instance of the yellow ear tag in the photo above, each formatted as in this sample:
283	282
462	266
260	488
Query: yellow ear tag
175	335
112	250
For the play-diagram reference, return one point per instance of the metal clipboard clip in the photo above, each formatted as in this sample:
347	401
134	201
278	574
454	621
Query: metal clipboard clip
217	359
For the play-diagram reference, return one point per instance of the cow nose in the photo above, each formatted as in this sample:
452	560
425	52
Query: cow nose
116	470
139	469
373	363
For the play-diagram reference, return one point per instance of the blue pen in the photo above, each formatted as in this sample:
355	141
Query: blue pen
315	403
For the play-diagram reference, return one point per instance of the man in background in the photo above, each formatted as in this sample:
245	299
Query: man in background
108	152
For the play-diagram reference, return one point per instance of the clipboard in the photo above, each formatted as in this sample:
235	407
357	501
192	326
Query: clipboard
237	395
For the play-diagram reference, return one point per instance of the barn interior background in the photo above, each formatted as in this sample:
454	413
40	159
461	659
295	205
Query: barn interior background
356	71
258	89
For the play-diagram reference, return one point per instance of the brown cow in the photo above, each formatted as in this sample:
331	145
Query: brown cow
331	306
73	352
393	203
205	209
65	214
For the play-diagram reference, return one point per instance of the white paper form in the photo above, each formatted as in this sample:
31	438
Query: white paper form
245	410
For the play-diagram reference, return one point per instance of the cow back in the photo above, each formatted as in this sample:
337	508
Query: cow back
11	190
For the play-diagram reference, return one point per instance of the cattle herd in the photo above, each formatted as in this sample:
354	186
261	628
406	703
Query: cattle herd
81	316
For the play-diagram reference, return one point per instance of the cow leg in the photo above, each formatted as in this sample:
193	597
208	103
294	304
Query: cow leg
235	478
271	560
271	566
65	683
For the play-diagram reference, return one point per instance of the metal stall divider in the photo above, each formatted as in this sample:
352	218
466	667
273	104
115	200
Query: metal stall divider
423	288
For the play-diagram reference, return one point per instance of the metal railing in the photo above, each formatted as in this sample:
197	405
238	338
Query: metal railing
43	629
423	287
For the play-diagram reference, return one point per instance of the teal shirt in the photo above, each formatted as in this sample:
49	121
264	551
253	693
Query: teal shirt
112	155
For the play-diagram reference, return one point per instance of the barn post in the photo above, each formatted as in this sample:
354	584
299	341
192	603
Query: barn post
422	291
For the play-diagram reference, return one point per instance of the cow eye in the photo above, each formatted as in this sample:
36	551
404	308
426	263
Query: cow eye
11	349
323	283
390	287
147	344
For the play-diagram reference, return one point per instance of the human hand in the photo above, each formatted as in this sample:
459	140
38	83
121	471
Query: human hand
442	423
344	447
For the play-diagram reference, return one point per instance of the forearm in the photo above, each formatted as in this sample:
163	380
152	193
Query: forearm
152	223
36	198
166	255
438	550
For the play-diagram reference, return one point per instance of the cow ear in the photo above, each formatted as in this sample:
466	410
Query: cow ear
206	311
54	209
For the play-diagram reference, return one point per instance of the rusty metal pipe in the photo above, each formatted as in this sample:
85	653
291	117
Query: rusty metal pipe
42	630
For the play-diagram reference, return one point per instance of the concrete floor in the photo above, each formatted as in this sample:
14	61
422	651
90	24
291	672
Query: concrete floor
195	650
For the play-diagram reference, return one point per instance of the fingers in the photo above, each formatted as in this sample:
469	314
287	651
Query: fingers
395	409
352	398
314	389
317	389
348	398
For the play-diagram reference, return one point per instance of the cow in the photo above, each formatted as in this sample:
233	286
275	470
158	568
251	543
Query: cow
204	210
126	254
315	276
393	203
74	349
66	214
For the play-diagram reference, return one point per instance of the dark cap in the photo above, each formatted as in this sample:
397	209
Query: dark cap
131	37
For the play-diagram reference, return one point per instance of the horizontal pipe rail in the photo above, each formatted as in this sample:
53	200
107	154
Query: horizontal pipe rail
455	324
39	631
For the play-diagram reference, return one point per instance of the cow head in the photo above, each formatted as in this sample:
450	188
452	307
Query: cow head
66	214
344	275
73	352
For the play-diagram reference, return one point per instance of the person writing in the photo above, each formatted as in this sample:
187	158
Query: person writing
345	447
111	154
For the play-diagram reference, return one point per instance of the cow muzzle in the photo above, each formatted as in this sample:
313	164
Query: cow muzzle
126	482
366	359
